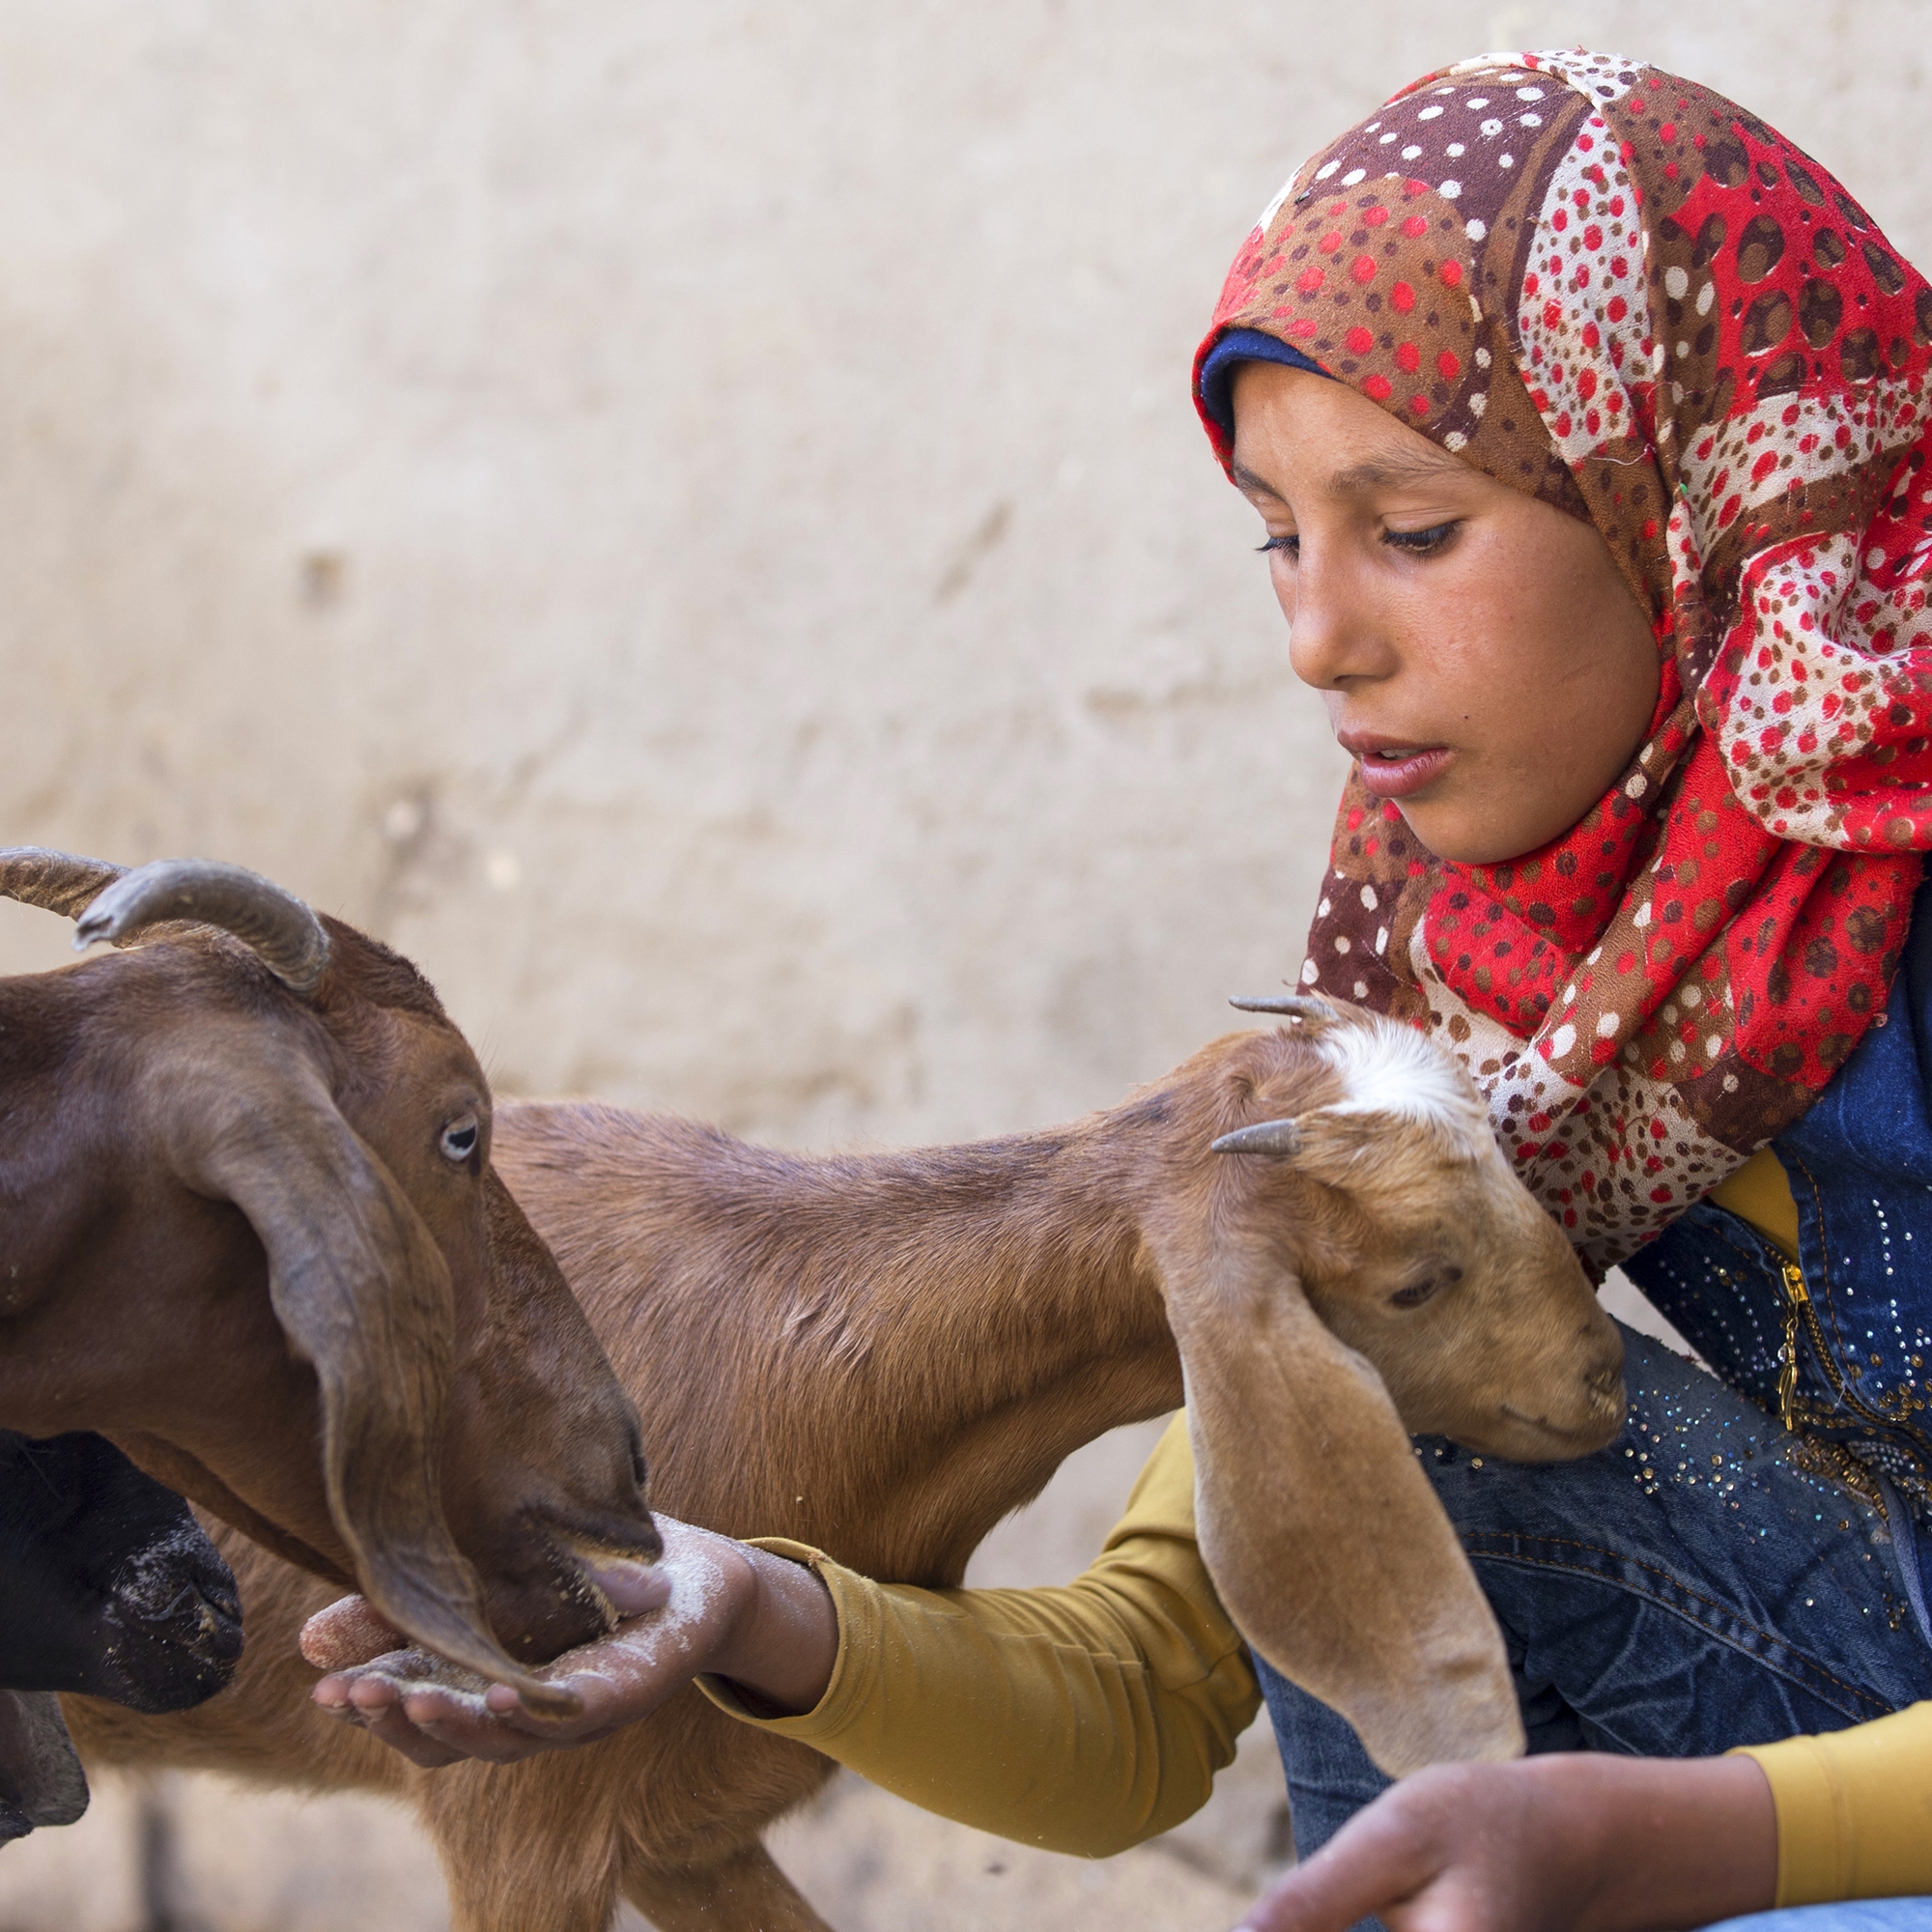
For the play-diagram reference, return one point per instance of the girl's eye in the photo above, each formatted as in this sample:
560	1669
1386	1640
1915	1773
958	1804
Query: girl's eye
1290	546
1421	543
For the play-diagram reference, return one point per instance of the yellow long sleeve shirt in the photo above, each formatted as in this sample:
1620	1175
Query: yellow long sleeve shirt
1089	1717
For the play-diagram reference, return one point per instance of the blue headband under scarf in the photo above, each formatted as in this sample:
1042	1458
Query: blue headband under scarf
1239	346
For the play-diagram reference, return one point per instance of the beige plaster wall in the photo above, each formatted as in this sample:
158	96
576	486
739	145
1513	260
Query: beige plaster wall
688	520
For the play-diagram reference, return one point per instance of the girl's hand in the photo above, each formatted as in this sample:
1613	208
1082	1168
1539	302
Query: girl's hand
1562	1843
707	1604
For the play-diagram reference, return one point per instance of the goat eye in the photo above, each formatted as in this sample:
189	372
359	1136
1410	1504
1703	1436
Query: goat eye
459	1138
1417	1293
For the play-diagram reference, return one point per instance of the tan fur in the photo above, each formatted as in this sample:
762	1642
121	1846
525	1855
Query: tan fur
885	1354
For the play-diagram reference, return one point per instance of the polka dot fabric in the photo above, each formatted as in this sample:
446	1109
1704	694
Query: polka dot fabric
1621	294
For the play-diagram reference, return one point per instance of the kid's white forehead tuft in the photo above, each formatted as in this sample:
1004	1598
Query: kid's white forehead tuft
1386	1068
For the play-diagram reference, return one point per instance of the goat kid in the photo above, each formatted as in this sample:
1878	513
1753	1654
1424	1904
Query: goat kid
107	1586
885	1354
252	1235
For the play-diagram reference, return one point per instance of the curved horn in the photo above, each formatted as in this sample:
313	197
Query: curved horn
1309	1006
275	925
53	881
1263	1137
363	1294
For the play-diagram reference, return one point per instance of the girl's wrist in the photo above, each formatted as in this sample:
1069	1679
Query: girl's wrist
782	1643
1670	1841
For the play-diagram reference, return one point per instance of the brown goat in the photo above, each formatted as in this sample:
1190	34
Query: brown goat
885	1354
252	1235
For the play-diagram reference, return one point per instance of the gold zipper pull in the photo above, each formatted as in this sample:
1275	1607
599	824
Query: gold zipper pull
1797	1297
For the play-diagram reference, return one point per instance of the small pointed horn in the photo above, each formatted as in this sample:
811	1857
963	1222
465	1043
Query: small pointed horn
275	925
1309	1006
1263	1137
53	881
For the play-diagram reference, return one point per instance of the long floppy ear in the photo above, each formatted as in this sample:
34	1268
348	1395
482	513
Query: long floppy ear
1320	1530
363	1294
40	1778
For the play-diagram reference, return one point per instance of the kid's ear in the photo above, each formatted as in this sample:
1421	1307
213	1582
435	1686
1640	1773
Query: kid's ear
1322	1535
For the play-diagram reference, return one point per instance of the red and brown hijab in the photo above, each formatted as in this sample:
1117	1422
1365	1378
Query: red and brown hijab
1620	293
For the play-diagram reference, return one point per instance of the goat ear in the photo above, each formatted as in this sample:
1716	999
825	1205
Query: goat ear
1320	1530
40	1778
363	1294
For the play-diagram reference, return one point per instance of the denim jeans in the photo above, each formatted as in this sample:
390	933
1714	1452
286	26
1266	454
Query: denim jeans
1870	1915
1707	1580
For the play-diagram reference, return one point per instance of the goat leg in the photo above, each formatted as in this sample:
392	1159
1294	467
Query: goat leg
743	1892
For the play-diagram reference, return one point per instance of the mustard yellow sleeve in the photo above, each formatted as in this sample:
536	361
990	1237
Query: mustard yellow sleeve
1760	1192
1082	1719
1853	1810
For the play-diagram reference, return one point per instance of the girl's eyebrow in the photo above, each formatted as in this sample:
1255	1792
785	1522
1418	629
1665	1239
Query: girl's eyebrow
1395	465
1378	472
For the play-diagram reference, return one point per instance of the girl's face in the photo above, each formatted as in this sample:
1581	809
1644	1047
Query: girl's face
1479	652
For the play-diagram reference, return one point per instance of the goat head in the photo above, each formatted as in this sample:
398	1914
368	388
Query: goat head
268	1101
1369	1267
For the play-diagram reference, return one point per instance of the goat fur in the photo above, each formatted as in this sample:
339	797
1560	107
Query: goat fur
884	1354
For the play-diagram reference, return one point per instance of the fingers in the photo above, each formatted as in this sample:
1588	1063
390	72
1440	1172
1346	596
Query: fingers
675	1613
346	1632
1387	1853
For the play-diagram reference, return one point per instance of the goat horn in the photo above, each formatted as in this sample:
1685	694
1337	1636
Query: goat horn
275	925
1309	1006
1263	1137
54	881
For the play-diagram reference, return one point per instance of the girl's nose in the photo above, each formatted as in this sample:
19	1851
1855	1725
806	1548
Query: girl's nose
1331	635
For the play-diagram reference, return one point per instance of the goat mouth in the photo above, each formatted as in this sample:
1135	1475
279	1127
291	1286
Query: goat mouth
626	1585
1551	1430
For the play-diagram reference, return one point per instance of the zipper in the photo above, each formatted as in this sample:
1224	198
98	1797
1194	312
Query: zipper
1797	1305
1799	1308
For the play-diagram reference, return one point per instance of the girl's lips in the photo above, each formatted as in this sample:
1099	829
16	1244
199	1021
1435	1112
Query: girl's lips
1399	772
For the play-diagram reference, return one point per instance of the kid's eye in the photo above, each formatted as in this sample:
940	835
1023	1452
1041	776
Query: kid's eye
1422	543
1290	546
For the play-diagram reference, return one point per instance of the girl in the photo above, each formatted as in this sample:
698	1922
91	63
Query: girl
1586	419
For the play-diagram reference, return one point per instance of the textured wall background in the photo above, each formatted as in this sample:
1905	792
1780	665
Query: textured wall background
688	520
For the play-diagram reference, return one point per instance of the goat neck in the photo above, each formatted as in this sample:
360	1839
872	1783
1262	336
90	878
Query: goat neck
928	1334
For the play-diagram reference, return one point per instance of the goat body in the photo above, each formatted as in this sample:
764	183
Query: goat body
882	1355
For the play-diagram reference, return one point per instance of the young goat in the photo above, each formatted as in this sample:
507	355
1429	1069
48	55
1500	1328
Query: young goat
253	1237
885	1354
107	1586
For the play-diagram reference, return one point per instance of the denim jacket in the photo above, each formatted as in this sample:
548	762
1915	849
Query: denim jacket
1836	1343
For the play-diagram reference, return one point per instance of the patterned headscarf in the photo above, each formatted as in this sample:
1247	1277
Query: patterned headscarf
1622	295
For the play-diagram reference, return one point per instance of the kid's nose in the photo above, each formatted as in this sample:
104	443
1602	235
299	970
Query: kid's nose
1328	641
